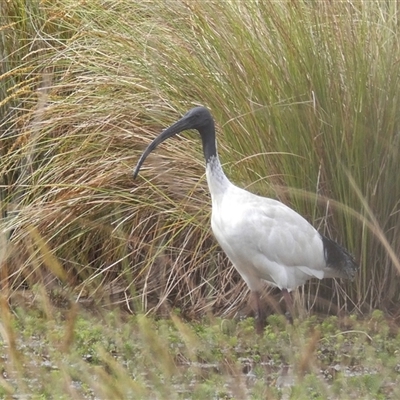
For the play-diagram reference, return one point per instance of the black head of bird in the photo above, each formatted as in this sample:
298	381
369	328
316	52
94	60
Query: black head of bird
198	118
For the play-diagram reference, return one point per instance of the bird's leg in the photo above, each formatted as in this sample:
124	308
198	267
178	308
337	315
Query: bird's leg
289	305
259	312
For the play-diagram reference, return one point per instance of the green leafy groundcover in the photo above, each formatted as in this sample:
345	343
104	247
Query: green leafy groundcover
48	353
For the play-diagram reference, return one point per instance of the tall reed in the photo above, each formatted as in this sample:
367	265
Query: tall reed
305	99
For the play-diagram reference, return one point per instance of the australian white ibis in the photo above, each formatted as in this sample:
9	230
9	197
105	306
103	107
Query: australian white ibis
264	239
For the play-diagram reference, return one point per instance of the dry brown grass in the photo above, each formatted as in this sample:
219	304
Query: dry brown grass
305	98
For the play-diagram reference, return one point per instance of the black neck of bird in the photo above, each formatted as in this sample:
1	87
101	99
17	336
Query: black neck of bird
216	179
207	134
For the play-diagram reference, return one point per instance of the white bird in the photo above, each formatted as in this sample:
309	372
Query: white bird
264	239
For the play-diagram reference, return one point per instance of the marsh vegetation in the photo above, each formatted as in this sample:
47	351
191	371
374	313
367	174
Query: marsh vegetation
116	287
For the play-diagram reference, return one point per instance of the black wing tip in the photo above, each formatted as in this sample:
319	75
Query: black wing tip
339	259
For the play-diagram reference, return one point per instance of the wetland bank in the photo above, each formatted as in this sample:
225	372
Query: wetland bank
76	354
115	288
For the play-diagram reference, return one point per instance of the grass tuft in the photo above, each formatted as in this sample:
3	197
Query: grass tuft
306	106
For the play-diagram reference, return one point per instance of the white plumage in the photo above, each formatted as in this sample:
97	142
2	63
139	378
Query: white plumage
264	239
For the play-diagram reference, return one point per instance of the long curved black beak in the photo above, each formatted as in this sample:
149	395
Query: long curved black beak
179	126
